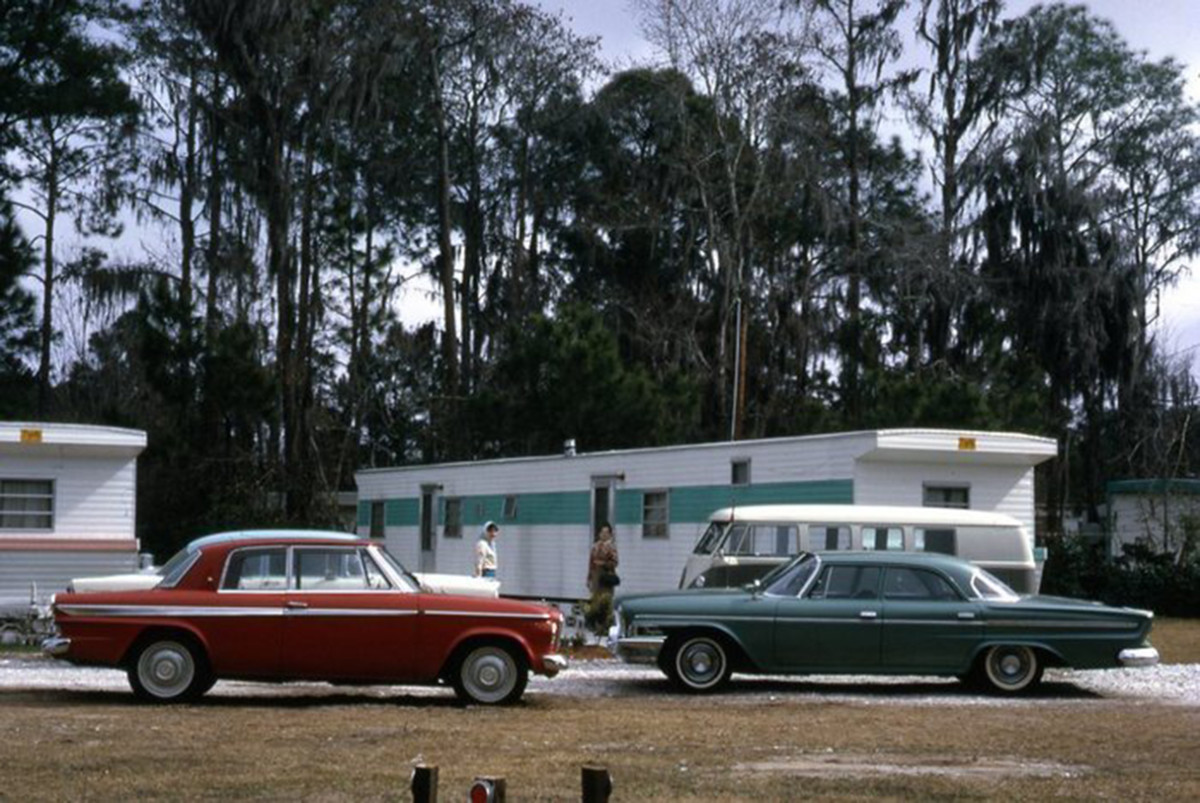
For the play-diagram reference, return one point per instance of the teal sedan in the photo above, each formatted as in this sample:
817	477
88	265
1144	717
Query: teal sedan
874	613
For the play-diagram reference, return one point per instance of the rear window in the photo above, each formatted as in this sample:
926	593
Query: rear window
177	567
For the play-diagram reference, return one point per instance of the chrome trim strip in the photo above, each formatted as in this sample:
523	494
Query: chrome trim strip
1084	624
639	649
1138	656
348	612
489	614
168	610
219	611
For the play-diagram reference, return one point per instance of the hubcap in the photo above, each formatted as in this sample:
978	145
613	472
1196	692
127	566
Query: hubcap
166	669
701	663
489	674
1010	665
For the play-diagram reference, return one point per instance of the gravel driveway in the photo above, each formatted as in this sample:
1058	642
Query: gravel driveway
1177	684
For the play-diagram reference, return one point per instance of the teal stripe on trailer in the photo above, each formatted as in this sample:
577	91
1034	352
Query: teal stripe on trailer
695	503
364	514
401	512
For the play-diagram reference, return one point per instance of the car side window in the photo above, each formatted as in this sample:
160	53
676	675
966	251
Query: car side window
915	585
847	582
256	570
330	570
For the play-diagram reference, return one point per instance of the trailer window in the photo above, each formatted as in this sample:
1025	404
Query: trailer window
955	496
452	524
26	504
655	514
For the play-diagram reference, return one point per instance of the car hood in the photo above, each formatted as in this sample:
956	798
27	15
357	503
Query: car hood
115	582
460	584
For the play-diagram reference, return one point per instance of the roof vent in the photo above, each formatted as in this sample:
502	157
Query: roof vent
569	447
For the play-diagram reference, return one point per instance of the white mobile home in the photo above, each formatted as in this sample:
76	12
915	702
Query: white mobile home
67	504
659	499
1152	512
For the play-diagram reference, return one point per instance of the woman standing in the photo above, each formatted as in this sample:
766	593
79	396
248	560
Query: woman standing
602	563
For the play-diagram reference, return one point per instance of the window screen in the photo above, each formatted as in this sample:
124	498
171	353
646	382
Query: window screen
740	472
452	523
377	520
510	507
956	496
26	504
654	514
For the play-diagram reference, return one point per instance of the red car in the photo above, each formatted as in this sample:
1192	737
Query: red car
282	605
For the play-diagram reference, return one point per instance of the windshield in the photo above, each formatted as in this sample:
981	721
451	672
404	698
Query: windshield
788	579
988	586
710	539
174	569
398	567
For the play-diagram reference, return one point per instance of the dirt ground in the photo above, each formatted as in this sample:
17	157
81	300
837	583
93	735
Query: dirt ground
768	744
98	745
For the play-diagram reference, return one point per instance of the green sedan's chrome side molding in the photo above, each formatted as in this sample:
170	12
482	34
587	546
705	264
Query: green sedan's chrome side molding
1094	624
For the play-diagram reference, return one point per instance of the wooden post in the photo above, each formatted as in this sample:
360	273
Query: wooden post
424	784
597	785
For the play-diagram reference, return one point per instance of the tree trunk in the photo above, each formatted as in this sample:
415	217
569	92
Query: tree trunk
445	247
47	333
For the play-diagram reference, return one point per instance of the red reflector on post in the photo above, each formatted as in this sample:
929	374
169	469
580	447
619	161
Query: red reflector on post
482	792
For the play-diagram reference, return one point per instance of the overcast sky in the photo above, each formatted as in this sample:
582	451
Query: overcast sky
1160	27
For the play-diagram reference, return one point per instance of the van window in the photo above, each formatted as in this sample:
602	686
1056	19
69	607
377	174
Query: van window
883	538
762	540
941	541
712	536
828	537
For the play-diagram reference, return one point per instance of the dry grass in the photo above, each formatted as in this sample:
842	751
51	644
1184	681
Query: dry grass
64	745
1177	640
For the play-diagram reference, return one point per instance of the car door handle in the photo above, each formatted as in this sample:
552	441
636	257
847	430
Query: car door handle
868	614
295	603
966	615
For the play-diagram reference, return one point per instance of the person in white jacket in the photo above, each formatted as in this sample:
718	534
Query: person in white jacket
485	550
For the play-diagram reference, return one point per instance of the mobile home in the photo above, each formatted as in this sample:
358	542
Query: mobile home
659	500
67	504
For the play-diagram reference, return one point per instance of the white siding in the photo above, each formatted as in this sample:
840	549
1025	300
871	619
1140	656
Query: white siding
996	488
1139	517
94	497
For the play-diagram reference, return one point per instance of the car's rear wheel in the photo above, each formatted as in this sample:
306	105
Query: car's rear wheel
1010	669
698	663
169	670
491	674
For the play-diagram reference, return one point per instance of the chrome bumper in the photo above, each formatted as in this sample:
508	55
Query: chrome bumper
639	649
1138	656
56	647
553	664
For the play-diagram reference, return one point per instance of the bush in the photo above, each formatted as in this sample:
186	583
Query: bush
1140	578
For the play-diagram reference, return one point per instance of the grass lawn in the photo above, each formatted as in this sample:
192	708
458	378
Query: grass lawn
1177	640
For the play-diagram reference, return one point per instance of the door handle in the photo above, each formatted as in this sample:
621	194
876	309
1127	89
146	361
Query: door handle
868	614
966	615
295	603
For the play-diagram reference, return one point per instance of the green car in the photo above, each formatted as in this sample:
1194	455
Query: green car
875	613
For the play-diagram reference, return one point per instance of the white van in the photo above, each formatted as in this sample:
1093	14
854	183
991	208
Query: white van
743	543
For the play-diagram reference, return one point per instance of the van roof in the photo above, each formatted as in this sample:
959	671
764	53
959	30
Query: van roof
863	514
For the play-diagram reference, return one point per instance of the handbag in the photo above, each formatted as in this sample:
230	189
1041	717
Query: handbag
608	579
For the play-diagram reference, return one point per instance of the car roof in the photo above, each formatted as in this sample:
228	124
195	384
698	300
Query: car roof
884	557
239	536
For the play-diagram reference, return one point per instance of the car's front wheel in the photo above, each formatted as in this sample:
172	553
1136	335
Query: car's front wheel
169	670
1012	668
491	674
697	663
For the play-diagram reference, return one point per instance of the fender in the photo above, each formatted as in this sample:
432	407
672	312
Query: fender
492	632
672	625
1042	647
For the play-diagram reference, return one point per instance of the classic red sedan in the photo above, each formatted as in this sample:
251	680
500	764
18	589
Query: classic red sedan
300	605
